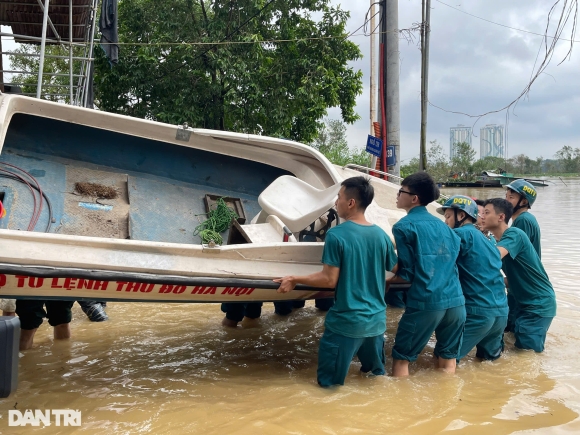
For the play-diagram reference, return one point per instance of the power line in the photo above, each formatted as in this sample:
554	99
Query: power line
225	42
569	10
504	25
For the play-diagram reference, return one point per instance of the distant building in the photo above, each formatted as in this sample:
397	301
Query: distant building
457	135
492	141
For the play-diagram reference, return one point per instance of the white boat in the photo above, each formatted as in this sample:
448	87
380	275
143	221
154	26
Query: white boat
140	246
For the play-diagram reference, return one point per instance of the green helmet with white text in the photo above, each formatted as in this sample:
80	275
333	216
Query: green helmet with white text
463	203
525	189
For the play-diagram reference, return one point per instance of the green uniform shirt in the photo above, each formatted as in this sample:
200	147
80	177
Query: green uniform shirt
428	250
363	253
527	279
528	224
479	265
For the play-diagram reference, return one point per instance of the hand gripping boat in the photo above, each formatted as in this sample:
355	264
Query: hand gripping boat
58	241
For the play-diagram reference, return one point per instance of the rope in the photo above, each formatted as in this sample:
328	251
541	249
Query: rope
217	222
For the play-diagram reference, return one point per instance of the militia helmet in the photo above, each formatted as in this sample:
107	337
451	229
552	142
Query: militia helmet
525	189
463	203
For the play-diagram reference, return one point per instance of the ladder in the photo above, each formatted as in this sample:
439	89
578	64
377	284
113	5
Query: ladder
68	23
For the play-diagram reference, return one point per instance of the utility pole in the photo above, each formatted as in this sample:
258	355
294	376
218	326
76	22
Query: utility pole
392	104
425	30
373	108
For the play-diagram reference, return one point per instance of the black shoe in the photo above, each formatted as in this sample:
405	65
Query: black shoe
96	313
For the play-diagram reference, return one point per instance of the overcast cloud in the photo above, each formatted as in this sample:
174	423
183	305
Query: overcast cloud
476	67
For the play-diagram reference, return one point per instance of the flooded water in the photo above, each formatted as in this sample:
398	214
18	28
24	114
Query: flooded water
171	369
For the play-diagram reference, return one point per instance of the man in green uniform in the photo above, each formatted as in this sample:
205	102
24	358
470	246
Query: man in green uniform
521	195
481	280
479	224
526	277
356	256
427	250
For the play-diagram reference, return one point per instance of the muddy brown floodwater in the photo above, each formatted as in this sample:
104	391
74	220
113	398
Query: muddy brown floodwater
171	369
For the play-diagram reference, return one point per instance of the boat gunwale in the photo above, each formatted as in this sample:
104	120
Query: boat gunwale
312	159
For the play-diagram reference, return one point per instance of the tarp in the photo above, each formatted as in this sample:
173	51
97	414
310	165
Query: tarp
108	29
109	40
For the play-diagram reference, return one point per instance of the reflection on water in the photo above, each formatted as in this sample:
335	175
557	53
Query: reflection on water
171	369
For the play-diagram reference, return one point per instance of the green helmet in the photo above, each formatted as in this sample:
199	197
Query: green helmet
460	202
525	189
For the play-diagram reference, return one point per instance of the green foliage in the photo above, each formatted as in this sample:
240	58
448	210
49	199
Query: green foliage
410	168
490	163
331	141
568	159
567	162
280	89
218	220
462	162
26	60
522	164
360	157
437	162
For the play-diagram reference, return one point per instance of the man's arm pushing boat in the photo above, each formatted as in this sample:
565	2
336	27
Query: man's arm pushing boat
326	278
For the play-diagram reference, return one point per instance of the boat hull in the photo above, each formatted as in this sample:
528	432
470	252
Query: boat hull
39	265
34	283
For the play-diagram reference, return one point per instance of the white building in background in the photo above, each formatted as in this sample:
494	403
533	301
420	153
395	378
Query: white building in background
457	135
492	141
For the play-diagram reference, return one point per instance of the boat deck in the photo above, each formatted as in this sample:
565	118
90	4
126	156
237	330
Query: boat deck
163	204
147	207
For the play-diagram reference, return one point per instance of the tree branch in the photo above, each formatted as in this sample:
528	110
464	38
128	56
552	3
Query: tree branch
205	17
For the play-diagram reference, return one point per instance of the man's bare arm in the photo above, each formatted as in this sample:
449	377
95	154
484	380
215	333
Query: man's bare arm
394	279
326	278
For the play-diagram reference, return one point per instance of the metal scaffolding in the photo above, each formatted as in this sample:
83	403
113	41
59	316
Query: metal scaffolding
68	23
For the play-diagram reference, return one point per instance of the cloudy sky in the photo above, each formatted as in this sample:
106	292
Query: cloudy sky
476	67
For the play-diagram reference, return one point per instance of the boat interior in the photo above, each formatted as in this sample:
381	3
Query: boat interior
162	190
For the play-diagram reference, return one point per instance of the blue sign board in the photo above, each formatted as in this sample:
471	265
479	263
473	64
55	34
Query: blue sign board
391	157
374	146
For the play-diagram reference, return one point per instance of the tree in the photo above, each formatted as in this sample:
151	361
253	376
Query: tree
568	159
519	163
437	162
550	166
57	87
462	162
410	168
266	66
489	163
539	163
331	141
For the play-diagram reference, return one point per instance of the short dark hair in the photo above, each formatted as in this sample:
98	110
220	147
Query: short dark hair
422	185
480	202
501	205
360	189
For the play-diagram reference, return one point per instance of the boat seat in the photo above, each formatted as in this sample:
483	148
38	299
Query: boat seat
270	232
296	202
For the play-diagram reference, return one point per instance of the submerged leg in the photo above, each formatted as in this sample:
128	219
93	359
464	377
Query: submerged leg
335	354
400	367
372	355
447	365
26	338
234	314
62	332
